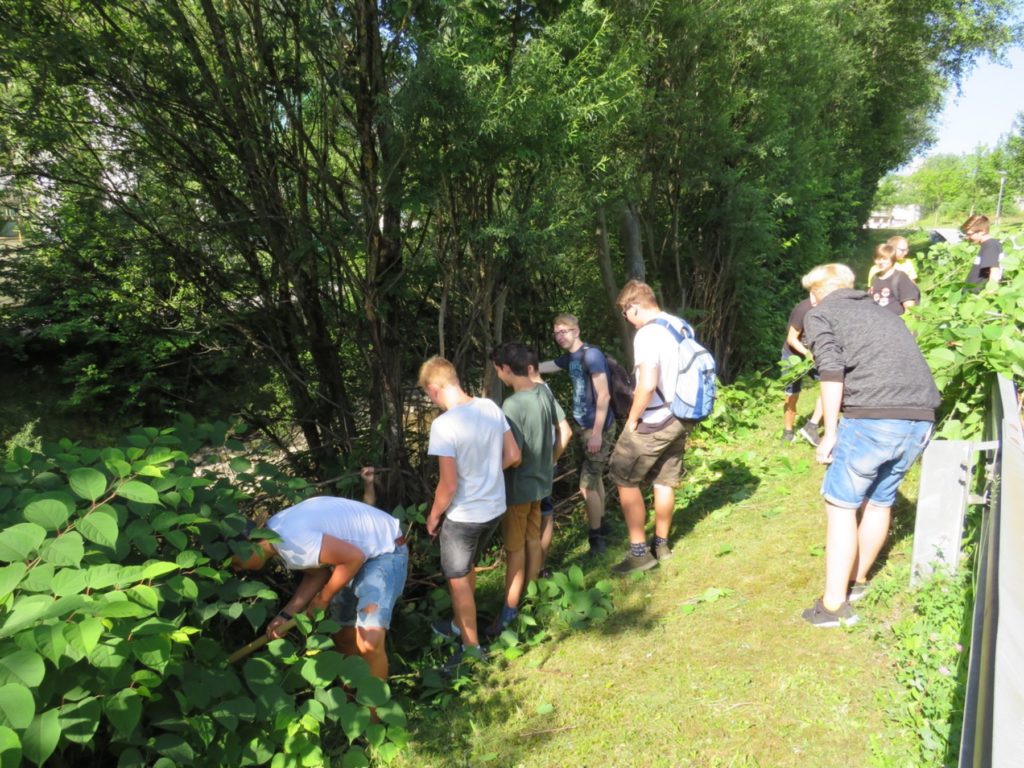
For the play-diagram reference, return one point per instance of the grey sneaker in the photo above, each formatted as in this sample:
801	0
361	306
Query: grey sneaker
446	628
631	563
819	616
661	552
809	432
788	436
857	590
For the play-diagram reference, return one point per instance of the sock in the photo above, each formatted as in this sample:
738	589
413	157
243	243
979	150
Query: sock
658	540
638	550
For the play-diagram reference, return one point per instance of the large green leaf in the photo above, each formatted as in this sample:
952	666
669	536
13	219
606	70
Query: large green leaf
78	721
50	641
174	748
153	651
323	669
84	635
134	490
100	526
124	709
67	549
17	707
158	568
19	541
24	667
51	514
40	738
10	748
68	581
10	576
87	482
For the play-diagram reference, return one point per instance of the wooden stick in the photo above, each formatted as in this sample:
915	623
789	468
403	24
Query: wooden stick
258	643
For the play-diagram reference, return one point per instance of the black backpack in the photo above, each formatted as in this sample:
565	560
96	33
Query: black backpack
620	386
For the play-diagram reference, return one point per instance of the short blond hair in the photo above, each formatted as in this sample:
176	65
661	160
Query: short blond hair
897	240
885	251
636	292
569	321
439	372
822	280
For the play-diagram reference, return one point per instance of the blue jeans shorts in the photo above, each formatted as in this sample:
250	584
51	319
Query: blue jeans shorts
870	459
462	544
379	582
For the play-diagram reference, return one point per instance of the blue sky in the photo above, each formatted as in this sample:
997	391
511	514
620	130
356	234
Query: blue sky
992	95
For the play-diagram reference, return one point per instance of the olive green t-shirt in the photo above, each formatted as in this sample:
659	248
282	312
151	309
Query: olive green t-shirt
532	416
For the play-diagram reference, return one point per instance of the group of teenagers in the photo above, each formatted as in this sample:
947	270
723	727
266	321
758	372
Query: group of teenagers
496	465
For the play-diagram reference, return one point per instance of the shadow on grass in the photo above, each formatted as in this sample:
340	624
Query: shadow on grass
734	483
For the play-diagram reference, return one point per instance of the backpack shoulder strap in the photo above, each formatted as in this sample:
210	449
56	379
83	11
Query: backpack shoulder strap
679	335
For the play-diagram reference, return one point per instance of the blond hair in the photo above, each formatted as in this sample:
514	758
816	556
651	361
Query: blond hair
439	372
822	280
636	292
569	321
976	223
885	251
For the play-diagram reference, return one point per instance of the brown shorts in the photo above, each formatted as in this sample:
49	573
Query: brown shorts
520	524
655	458
592	468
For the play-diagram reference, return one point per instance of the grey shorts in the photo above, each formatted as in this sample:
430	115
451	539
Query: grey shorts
462	544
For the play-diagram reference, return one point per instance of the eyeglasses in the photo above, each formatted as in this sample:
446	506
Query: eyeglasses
564	332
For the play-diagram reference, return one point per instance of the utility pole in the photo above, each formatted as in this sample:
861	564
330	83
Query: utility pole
999	200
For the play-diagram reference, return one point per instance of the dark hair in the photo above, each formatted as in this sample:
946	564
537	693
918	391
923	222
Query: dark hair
515	355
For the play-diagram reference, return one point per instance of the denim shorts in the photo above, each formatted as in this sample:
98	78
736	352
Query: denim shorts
870	459
379	582
462	544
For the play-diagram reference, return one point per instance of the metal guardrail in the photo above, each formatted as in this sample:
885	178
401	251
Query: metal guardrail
993	723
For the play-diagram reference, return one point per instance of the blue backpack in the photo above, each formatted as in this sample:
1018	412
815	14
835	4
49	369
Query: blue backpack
696	387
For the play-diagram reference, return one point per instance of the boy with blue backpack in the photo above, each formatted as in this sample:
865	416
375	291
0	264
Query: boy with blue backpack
675	388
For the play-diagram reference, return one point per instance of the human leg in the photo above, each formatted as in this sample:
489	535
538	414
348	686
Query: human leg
634	512
461	545
840	553
871	535
547	529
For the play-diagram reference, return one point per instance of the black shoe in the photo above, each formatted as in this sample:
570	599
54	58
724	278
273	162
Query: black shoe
661	552
819	616
857	590
632	563
788	436
446	628
809	432
463	655
597	544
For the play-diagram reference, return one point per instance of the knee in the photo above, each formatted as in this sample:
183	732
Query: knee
369	639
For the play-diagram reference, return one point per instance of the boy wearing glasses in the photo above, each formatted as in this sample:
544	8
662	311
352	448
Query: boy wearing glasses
987	266
591	409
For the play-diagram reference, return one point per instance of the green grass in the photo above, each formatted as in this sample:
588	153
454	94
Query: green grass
673	680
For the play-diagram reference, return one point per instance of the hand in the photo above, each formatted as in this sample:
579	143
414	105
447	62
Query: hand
594	443
433	524
825	446
274	627
632	424
317	604
367	473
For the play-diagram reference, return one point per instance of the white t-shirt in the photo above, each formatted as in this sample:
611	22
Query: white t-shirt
302	528
655	345
472	434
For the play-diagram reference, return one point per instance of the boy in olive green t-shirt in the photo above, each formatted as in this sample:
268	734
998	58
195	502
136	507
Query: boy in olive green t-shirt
531	412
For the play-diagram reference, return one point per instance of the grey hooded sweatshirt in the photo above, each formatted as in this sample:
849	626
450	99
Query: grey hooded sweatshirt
870	350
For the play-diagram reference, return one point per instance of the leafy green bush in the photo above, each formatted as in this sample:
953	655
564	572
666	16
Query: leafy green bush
968	336
117	618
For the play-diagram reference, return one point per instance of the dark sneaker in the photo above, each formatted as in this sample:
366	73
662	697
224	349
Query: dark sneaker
809	432
501	622
819	616
446	628
661	552
858	590
597	544
788	436
632	563
462	655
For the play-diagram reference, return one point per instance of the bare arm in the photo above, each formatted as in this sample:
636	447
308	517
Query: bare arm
447	483
646	383
369	490
346	559
548	366
793	340
562	440
312	582
511	456
831	402
602	399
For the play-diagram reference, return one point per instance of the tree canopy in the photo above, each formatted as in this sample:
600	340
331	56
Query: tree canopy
308	198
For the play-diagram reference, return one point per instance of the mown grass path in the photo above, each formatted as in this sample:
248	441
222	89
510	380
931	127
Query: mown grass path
671	679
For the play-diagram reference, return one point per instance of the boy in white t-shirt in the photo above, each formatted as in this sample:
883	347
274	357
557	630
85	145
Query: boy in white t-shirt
354	562
473	444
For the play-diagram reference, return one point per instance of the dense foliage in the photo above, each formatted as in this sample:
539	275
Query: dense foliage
291	205
117	618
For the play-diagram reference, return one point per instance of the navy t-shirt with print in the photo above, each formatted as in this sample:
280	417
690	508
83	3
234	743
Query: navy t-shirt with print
581	365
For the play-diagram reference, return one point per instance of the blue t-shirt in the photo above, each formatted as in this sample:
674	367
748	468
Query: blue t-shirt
581	365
